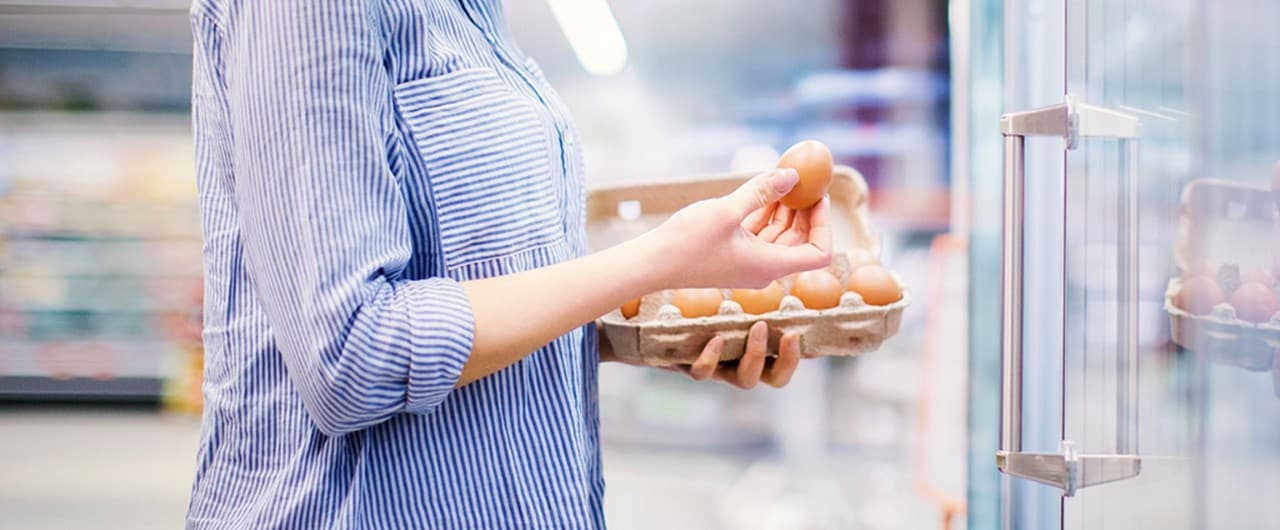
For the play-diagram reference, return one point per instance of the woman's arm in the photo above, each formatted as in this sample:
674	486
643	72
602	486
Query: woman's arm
292	119
703	245
296	98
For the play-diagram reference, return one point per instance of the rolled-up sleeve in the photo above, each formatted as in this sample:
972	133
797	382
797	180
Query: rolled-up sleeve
325	232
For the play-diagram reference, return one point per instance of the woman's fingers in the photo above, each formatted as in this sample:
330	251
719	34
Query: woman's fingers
798	232
705	367
759	219
819	228
782	217
761	191
791	259
754	367
782	368
809	229
752	363
801	251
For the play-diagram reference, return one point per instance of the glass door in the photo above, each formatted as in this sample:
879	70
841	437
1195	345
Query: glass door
1127	392
1140	257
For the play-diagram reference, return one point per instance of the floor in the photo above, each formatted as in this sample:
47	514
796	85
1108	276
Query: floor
94	469
110	468
69	469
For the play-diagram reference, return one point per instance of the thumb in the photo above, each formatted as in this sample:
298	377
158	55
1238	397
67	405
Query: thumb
762	190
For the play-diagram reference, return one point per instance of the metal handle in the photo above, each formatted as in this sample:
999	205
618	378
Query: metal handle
1068	470
1011	295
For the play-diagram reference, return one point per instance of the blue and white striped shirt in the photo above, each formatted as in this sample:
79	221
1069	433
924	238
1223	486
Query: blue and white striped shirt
357	159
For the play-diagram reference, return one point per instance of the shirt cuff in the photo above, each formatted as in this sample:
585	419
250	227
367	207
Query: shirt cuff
443	332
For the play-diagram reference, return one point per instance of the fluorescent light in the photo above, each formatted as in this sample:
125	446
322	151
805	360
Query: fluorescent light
593	33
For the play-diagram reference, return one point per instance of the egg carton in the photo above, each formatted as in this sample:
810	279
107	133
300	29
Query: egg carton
1225	220
1222	335
660	336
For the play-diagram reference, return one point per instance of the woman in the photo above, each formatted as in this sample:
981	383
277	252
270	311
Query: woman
398	292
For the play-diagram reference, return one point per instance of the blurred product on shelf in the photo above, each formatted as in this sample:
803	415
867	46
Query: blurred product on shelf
100	279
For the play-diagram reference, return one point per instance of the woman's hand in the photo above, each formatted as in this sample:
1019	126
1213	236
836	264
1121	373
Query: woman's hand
753	368
744	239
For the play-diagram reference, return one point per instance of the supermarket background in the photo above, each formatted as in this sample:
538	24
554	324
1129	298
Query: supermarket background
100	266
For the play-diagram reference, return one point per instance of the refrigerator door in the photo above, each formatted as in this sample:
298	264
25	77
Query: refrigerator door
1125	390
1206	422
1030	243
1139	275
1208	419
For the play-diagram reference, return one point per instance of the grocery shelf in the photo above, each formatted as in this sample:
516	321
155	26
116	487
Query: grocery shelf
120	389
100	255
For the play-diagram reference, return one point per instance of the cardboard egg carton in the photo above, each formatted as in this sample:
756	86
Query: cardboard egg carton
1221	335
660	336
1225	222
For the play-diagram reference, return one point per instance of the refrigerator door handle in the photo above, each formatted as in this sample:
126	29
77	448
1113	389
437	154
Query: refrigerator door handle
1068	470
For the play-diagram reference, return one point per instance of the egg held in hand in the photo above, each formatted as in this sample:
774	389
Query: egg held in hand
817	289
694	303
812	160
876	285
758	301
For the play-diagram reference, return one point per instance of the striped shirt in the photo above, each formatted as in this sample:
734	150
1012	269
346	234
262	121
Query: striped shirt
357	159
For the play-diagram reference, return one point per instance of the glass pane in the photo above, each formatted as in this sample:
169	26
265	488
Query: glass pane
978	75
1206	428
1034	79
1237	476
1130	56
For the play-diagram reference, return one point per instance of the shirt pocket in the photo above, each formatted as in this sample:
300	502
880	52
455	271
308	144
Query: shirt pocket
487	156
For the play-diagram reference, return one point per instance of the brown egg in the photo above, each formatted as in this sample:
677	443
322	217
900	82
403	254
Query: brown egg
861	256
1254	302
817	289
631	309
757	301
876	285
698	302
812	160
1198	295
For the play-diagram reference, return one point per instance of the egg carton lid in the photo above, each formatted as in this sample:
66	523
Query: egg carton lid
1223	221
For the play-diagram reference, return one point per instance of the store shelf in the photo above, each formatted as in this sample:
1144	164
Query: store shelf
121	389
100	255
